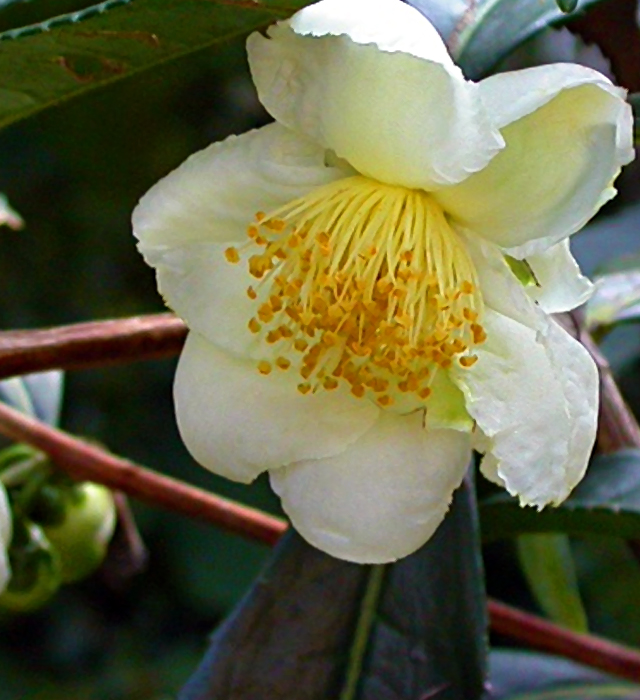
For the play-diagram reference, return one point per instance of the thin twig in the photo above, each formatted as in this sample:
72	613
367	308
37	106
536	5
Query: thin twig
587	649
86	462
94	344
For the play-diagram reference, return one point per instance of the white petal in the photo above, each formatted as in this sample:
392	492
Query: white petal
187	220
529	373
578	374
213	196
560	286
568	132
210	294
383	497
533	392
6	531
372	80
238	423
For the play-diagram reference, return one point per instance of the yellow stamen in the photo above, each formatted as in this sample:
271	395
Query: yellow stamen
366	284
232	255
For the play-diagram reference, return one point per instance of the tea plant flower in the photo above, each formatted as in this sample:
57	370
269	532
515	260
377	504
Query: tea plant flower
368	280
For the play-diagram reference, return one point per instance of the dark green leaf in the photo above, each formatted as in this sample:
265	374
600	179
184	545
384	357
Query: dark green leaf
606	502
289	636
516	675
45	64
547	563
430	636
491	29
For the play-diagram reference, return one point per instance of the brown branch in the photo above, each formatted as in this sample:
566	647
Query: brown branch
545	636
85	345
89	463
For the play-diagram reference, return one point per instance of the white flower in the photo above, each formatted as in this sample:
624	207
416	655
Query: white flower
355	325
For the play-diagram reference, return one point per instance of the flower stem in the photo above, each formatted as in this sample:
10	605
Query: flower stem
366	619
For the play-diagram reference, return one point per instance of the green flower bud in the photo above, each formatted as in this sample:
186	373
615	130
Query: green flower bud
36	570
82	537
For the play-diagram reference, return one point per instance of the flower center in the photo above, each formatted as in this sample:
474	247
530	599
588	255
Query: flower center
364	283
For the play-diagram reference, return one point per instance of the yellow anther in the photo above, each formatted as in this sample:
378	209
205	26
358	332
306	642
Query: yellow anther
277	225
260	216
257	266
384	400
283	363
304	388
232	255
424	393
330	383
251	293
358	390
264	367
323	239
466	287
253	231
272	337
254	326
330	339
468	360
276	302
479	335
300	344
457	346
469	315
265	314
292	313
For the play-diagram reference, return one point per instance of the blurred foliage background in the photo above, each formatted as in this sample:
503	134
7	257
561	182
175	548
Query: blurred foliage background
75	173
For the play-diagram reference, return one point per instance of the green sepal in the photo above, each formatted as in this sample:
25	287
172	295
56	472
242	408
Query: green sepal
35	569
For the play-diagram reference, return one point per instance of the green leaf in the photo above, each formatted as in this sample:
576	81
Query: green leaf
547	563
616	298
491	29
314	627
45	64
605	502
521	675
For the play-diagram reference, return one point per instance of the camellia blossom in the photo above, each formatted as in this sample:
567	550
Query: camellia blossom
368	280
